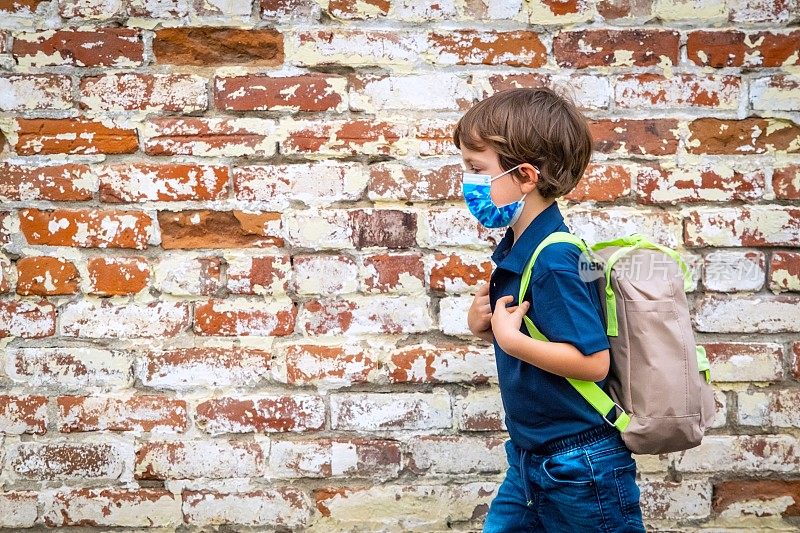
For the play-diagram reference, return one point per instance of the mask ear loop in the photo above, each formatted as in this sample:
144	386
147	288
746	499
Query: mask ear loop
509	170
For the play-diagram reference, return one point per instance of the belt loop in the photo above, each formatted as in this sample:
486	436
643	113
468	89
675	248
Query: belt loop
524	471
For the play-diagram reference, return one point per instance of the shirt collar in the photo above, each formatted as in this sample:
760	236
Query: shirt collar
513	256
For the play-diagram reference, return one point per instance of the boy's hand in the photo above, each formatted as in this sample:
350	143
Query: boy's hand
479	317
506	321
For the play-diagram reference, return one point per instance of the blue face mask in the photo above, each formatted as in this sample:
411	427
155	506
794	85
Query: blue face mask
476	189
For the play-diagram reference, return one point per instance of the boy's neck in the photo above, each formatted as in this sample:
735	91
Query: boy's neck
533	206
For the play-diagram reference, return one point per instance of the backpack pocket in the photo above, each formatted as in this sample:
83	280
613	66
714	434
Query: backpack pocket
652	329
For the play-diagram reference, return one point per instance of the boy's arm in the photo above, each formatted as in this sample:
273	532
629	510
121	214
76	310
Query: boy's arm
561	358
566	315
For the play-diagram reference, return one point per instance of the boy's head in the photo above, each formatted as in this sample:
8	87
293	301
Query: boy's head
527	125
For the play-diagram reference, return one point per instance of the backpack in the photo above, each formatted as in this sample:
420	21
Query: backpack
659	379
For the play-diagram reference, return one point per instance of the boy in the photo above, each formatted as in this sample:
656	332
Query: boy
569	469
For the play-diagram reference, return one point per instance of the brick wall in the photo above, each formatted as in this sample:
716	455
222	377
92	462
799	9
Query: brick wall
235	262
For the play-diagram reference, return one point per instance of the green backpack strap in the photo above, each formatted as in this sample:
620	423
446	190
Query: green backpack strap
593	394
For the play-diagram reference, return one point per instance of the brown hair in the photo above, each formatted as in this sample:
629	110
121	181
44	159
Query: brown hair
531	125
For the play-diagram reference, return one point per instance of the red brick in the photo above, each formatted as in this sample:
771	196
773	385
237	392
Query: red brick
388	228
290	9
775	93
171	9
144	92
70	368
744	362
260	92
347	10
20	7
5	275
23	414
101	47
277	186
204	46
643	91
180	275
98	228
706	183
104	318
751	135
480	411
233	317
786	182
340	365
210	136
326	458
219	229
375	314
747	313
624	47
392	181
731	48
602	183
264	274
456	455
187	368
495	83
392	272
163	460
395	411
45	275
284	508
139	182
784	271
635	136
376	93
266	414
25	92
91	9
18	508
434	136
27	319
516	48
757	225
73	136
458	272
362	47
112	276
612	10
145	412
62	460
343	137
325	274
115	507
796	360
347	508
732	495
446	363
70	182
772	12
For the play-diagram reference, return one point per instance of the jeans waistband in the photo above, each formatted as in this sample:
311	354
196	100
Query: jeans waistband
579	439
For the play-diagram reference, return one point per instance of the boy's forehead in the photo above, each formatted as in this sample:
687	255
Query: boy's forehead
473	156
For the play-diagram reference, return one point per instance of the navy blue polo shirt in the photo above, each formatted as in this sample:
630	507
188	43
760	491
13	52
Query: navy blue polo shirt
541	406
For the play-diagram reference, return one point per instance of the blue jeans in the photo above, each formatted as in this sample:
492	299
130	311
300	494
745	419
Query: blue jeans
584	482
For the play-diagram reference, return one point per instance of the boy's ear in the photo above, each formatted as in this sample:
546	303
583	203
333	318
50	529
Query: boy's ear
530	177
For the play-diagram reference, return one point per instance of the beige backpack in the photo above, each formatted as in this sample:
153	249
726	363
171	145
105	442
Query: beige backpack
659	381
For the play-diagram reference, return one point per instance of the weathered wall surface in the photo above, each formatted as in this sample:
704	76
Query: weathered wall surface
235	262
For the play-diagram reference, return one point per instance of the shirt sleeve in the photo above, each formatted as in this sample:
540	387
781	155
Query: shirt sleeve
564	311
